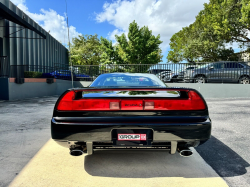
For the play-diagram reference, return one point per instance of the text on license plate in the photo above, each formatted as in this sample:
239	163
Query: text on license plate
132	137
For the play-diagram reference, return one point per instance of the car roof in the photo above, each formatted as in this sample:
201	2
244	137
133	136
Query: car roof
127	73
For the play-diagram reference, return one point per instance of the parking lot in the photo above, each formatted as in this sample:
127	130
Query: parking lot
29	158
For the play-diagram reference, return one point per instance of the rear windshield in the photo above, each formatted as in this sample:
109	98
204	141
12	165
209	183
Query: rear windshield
127	80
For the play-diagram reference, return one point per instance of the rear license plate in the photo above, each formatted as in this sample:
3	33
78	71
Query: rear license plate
134	137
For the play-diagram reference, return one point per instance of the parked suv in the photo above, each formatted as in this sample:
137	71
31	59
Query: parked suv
218	72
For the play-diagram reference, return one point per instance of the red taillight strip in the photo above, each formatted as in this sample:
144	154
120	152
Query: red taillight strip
131	89
66	102
69	103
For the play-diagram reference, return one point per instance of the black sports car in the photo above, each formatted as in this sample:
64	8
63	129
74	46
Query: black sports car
130	110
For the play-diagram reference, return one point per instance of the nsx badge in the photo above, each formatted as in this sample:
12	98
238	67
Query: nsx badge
132	105
138	137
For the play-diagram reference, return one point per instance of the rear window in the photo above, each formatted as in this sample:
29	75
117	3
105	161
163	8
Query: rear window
127	80
125	93
233	65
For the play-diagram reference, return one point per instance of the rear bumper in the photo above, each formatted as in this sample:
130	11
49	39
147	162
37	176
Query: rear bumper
64	132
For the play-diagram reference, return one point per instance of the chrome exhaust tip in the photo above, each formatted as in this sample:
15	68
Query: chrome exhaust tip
186	152
76	152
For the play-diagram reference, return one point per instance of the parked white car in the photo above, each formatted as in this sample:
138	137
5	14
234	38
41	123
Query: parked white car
168	76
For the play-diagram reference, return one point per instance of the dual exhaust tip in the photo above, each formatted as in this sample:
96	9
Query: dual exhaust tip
77	151
185	152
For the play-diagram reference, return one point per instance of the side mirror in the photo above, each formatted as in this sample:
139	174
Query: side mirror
211	68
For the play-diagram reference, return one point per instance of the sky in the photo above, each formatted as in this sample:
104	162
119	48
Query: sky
107	18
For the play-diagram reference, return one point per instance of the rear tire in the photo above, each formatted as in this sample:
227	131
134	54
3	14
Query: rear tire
200	79
244	80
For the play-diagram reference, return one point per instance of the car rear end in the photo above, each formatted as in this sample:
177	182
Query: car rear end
120	118
187	71
189	75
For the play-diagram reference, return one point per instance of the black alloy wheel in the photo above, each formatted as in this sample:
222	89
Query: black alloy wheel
244	80
200	79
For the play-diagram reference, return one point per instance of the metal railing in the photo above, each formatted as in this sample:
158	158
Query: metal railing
93	71
179	72
199	72
30	71
37	71
4	66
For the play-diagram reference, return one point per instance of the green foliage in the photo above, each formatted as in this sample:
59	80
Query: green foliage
32	74
86	50
221	22
109	52
141	46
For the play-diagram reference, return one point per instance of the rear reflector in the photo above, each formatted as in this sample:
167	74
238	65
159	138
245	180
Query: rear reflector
69	103
114	105
149	105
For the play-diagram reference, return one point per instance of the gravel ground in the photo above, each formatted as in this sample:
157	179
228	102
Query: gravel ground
25	128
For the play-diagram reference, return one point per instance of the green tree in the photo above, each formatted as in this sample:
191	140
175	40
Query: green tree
86	50
220	22
141	46
229	19
109	52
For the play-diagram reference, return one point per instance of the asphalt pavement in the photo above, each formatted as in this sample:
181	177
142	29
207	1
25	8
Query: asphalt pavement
27	160
227	152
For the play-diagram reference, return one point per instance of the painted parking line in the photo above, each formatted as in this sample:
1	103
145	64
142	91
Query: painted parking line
53	166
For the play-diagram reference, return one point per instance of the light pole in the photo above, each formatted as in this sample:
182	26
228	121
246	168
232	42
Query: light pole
69	46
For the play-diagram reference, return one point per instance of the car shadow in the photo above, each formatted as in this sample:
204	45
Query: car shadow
159	163
222	158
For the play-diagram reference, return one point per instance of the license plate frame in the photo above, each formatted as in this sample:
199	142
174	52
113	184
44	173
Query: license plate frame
132	142
131	137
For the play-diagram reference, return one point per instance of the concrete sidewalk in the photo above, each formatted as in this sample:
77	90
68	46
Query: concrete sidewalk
53	166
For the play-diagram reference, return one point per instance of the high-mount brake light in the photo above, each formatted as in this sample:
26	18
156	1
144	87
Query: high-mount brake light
69	103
